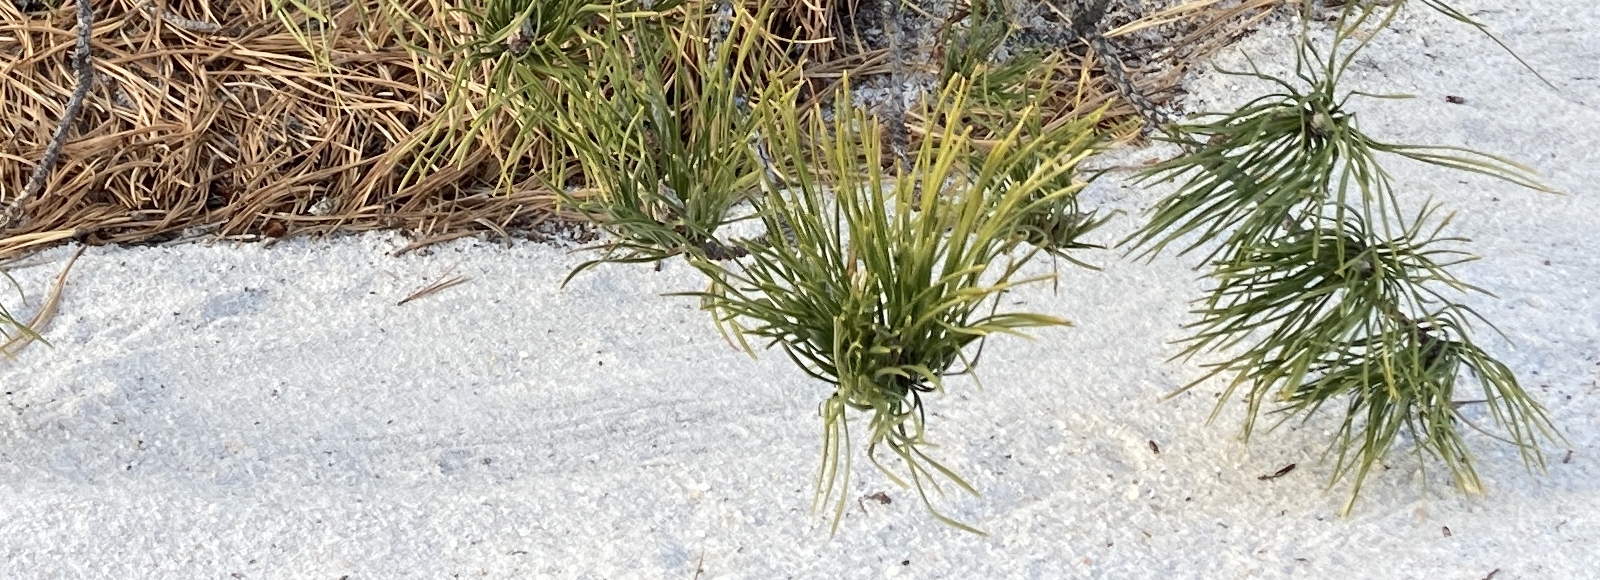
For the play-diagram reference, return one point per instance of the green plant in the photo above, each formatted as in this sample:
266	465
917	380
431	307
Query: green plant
8	323
662	131
1325	290
879	283
1053	224
1000	87
968	49
514	56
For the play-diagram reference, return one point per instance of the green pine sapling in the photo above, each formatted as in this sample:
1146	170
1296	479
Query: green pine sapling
661	129
1326	292
881	284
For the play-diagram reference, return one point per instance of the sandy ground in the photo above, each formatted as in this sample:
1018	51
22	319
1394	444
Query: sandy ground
240	412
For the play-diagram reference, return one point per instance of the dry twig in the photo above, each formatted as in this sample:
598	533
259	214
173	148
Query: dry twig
13	212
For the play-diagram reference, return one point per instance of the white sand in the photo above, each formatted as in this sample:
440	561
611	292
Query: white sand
239	412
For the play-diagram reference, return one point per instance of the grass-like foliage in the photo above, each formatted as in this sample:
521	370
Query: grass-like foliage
663	135
543	37
1053	224
968	50
8	323
515	53
1328	290
882	284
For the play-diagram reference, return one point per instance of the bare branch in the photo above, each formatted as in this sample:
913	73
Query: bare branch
12	214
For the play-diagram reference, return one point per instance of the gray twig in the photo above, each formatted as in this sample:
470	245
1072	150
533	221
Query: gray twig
181	22
1086	24
12	214
894	28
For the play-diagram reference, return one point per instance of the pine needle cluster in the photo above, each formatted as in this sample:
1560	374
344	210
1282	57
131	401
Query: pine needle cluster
1329	290
879	281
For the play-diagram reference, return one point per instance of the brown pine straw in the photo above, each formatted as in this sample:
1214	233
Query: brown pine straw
211	119
29	331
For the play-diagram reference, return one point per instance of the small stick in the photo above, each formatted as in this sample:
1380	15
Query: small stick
1277	474
12	213
894	111
699	565
182	23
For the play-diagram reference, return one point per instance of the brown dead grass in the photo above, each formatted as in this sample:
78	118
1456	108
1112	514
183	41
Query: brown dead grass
211	119
234	129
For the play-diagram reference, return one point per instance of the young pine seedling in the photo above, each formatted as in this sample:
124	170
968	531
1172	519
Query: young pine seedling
1325	292
661	128
505	66
883	284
